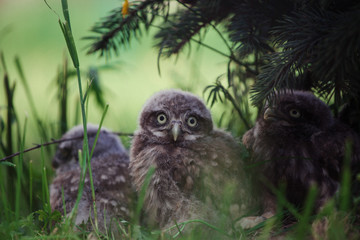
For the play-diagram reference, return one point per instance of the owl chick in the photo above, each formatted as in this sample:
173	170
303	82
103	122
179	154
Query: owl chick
297	143
112	185
197	167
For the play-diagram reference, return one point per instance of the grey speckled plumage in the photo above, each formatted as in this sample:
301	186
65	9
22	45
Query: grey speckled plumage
195	164
297	142
111	179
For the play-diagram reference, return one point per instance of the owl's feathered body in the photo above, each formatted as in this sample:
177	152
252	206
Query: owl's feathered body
194	163
297	143
111	180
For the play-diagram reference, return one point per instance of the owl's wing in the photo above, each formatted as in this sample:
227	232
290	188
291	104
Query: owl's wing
248	139
66	182
332	147
213	156
112	186
221	182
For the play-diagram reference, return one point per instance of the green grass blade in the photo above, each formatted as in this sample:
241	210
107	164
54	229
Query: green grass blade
2	60
121	229
268	226
27	88
44	182
142	193
6	163
82	163
197	221
69	39
89	165
66	12
21	72
4	201
77	114
304	226
84	156
99	129
31	184
62	82
282	200
179	229
19	171
66	29
345	189
63	199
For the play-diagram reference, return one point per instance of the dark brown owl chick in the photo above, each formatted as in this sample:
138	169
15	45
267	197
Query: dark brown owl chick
297	143
110	172
197	167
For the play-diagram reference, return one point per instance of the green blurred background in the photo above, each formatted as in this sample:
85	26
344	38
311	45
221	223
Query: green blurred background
30	30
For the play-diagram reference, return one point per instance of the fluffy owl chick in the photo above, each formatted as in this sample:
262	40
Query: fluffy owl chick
110	172
196	166
297	143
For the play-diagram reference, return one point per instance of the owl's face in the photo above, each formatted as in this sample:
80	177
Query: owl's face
68	151
296	112
174	116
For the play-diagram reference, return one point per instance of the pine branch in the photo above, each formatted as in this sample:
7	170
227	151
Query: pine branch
212	25
183	25
274	75
180	28
328	50
117	30
249	28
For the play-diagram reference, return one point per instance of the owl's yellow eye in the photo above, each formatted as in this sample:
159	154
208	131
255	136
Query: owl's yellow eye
192	121
161	118
295	113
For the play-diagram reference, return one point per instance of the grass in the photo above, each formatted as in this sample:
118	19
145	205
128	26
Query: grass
26	214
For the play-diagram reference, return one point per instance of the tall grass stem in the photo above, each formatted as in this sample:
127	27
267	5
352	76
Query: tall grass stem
19	173
31	179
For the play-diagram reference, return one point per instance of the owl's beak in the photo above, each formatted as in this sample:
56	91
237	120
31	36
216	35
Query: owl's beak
270	114
176	130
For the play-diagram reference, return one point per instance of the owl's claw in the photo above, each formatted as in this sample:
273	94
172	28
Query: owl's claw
250	222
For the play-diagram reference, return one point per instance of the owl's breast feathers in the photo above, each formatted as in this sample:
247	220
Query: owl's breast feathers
198	169
188	159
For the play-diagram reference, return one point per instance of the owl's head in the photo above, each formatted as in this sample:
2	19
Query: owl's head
297	112
174	116
68	151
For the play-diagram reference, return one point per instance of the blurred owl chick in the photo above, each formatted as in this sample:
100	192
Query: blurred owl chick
109	164
197	167
297	143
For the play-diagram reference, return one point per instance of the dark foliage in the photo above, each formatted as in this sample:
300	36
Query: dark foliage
298	44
